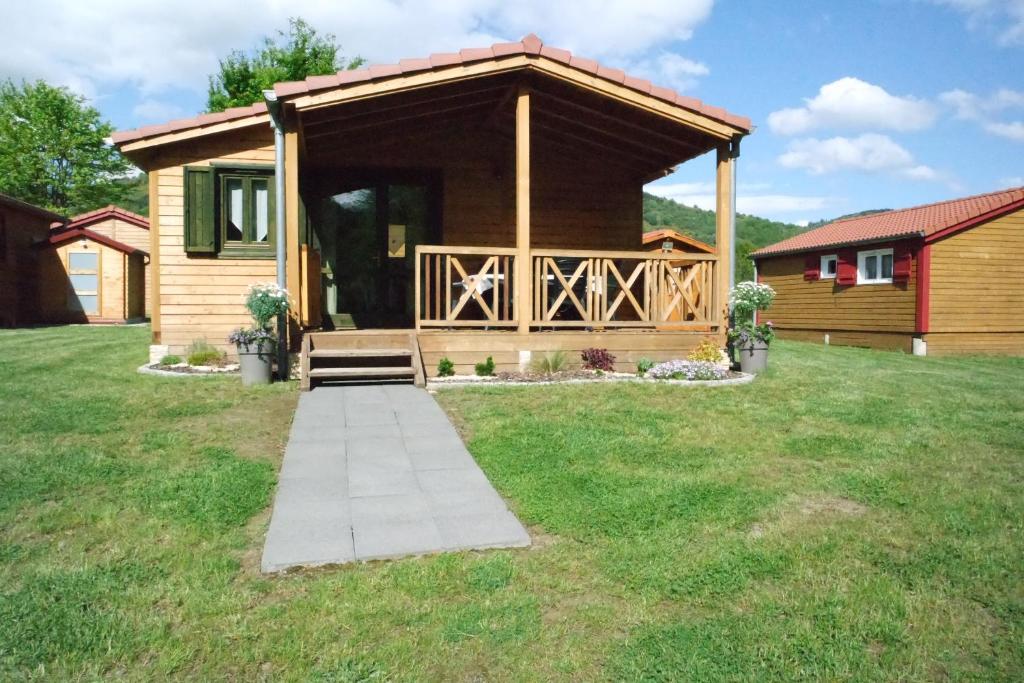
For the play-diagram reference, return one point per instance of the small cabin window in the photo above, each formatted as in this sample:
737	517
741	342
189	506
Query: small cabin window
246	204
828	267
874	266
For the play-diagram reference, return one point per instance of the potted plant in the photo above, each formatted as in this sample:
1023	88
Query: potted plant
255	345
749	339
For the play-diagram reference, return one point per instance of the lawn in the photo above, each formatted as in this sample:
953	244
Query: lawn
850	515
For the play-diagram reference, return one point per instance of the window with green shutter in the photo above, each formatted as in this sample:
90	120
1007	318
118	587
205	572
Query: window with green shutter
229	211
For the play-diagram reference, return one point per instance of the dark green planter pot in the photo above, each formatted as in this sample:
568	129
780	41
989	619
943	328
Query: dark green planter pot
255	363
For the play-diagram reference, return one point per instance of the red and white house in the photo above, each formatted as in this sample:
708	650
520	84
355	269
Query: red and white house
938	279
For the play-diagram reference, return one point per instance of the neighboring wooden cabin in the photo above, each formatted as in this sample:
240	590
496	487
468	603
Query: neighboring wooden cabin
670	241
21	226
939	279
489	202
122	226
86	277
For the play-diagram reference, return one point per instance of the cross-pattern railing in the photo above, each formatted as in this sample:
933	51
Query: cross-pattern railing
467	287
622	289
464	286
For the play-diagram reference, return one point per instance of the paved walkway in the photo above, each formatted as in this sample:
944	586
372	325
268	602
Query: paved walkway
374	472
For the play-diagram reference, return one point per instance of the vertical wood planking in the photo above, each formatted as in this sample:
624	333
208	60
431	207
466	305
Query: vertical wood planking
723	198
154	254
523	293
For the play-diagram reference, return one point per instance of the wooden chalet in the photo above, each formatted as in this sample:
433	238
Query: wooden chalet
480	203
937	279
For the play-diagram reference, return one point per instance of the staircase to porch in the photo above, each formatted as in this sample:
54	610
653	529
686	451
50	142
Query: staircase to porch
360	357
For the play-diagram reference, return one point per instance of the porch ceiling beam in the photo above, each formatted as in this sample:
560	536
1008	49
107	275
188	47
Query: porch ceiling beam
370	122
610	140
361	145
645	162
360	109
621	121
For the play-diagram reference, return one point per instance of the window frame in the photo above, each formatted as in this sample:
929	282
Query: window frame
823	273
863	256
247	247
74	294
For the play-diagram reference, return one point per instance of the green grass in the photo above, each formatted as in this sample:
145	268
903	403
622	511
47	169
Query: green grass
850	515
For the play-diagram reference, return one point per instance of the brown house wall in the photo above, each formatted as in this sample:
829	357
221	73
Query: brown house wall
132	235
121	284
877	316
977	289
18	264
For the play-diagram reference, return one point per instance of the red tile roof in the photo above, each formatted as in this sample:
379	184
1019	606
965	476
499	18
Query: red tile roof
78	233
92	217
926	221
529	45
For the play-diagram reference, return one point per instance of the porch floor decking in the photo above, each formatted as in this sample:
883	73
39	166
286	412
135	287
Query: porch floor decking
377	472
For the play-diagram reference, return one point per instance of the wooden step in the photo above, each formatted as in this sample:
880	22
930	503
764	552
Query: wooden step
353	373
359	353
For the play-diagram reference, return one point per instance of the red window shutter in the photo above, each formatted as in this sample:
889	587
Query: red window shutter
902	259
812	268
846	267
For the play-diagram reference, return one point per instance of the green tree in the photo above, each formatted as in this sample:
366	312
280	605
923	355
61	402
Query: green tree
299	53
54	150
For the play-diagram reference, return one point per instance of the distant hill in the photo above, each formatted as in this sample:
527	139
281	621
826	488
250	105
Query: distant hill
826	221
752	232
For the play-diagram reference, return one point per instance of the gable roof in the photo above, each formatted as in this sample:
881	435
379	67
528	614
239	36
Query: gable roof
11	202
99	215
930	221
71	234
662	234
530	46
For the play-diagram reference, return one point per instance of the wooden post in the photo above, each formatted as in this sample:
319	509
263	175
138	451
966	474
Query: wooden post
293	254
523	284
723	238
154	254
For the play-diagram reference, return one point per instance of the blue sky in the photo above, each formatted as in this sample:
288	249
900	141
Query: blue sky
858	104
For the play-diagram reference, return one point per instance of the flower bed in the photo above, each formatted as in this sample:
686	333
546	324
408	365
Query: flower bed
186	370
696	373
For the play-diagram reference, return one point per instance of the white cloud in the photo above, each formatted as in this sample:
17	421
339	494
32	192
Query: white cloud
1012	181
851	103
702	195
670	69
156	110
1005	18
156	46
1013	130
870	153
968	106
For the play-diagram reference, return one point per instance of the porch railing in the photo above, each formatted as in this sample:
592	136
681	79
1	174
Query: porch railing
609	289
467	287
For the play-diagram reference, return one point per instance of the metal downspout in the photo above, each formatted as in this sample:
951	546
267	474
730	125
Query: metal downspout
274	107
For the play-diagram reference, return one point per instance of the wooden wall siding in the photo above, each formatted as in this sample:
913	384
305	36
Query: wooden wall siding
977	280
890	341
130	234
18	291
820	305
953	343
203	297
466	349
119	295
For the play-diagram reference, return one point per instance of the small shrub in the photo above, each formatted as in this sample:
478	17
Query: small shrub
445	367
706	351
485	369
643	365
170	359
598	359
210	357
550	363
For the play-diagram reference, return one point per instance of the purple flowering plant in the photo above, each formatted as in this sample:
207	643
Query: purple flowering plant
688	370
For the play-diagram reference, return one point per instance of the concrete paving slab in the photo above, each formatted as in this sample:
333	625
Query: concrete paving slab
379	472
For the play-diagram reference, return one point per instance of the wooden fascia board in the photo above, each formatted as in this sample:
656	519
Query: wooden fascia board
535	63
191	133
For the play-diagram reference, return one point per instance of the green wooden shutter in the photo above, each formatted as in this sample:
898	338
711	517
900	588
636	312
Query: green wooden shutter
200	226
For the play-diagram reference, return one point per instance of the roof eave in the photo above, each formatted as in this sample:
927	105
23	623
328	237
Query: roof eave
840	245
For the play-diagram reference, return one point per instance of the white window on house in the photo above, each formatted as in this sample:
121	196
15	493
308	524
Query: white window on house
84	276
874	266
828	267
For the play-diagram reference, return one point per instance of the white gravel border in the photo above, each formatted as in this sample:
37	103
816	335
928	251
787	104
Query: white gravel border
153	369
461	381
